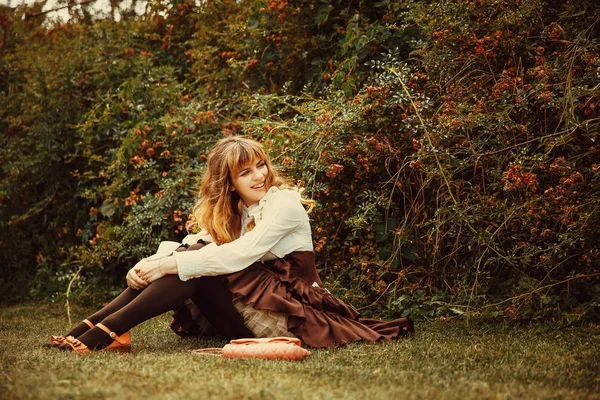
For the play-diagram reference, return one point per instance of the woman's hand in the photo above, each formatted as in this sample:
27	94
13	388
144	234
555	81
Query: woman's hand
134	281
149	271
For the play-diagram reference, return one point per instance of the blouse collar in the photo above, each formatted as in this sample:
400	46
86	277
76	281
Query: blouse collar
255	210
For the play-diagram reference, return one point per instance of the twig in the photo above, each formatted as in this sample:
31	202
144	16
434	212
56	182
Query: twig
541	288
67	304
7	377
428	136
131	373
59	8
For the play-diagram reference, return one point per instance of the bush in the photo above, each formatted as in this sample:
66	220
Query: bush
451	146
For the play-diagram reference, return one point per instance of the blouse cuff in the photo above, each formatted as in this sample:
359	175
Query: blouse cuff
189	265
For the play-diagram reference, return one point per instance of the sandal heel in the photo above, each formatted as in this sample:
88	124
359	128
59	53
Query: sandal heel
120	343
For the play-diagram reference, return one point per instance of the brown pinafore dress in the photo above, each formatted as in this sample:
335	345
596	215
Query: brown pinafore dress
288	290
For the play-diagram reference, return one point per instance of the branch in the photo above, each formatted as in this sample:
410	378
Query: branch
542	288
59	8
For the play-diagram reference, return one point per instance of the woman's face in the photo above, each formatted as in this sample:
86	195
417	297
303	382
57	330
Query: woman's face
251	182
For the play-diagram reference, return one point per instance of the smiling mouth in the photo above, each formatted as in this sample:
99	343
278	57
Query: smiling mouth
259	186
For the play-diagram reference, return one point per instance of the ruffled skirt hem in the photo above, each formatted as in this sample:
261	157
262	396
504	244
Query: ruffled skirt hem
314	315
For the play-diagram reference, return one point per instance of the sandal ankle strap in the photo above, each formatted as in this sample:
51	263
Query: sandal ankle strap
112	335
88	323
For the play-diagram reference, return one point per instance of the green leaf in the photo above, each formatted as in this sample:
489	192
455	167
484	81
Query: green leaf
323	14
108	208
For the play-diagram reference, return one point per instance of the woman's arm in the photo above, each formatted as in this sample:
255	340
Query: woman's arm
282	214
161	263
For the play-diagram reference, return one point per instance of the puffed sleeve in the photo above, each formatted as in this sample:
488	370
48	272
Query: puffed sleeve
194	238
282	214
166	248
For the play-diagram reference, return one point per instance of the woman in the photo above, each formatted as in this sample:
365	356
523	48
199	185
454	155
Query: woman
249	273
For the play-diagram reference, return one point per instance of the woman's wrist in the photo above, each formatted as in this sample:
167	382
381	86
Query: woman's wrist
168	266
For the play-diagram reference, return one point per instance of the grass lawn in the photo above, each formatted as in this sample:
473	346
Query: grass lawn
443	360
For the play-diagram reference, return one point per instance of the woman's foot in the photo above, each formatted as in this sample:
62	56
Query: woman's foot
56	341
96	339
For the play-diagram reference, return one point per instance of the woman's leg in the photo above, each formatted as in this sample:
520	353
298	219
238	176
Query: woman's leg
159	297
119	302
215	301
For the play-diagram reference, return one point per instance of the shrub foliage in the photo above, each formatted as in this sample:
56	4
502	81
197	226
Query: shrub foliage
451	145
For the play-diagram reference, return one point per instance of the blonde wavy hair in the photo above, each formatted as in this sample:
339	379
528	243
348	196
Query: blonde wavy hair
218	209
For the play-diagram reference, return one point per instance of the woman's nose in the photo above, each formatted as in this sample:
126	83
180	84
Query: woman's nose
256	173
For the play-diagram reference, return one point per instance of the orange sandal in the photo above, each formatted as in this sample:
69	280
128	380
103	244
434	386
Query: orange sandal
120	343
56	341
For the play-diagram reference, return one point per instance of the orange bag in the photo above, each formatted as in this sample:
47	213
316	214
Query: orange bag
277	348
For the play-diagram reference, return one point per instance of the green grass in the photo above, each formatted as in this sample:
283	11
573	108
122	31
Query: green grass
444	360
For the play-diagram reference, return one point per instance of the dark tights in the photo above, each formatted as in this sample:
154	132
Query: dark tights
132	307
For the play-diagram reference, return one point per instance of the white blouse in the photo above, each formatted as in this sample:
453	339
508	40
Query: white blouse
282	226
